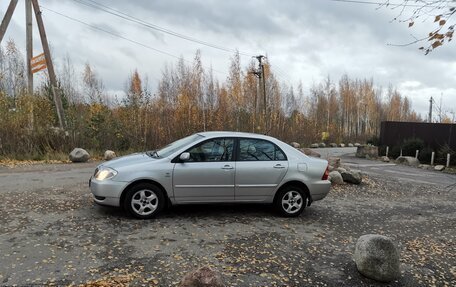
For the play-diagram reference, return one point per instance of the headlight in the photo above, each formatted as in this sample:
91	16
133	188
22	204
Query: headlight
105	173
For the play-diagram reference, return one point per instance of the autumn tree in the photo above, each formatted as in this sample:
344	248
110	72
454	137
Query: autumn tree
438	11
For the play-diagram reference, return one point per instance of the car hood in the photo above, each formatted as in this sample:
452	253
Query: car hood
136	158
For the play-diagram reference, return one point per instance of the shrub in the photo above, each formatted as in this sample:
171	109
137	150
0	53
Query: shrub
441	156
374	140
410	146
425	155
395	151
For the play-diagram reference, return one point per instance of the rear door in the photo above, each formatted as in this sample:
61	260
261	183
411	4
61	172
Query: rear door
260	167
209	174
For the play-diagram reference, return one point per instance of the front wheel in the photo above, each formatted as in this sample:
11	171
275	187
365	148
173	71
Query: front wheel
144	200
291	201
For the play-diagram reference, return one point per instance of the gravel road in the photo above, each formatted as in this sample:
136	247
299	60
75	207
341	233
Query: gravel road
51	233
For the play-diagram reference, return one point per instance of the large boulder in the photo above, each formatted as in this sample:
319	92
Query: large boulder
341	169
79	155
321	145
314	145
350	145
439	167
333	145
295	145
334	162
376	257
385	158
309	152
109	154
342	145
352	176
335	177
202	277
367	152
357	144
408	160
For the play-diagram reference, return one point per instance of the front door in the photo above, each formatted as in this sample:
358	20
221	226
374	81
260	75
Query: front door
209	174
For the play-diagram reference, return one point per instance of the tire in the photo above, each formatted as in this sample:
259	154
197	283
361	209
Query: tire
144	200
291	201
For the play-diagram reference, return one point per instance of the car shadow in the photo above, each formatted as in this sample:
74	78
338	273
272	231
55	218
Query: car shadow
219	211
214	211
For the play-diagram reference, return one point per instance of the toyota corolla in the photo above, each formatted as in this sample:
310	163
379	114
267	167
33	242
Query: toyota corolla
212	167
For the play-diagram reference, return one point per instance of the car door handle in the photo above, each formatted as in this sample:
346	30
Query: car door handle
279	166
227	167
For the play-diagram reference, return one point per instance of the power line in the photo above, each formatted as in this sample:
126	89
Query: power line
121	37
385	3
125	16
130	18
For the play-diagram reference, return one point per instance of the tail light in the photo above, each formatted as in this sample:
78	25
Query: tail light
326	174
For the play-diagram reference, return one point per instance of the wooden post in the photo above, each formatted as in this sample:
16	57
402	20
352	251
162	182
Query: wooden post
387	150
50	66
29	41
448	160
417	153
7	18
432	157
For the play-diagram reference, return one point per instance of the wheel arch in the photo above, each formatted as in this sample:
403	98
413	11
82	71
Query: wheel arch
296	183
144	180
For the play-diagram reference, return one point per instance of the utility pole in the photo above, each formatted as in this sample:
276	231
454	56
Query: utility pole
29	4
29	41
262	83
50	66
257	74
430	110
7	18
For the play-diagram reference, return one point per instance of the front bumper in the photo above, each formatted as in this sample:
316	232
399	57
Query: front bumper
319	189
107	192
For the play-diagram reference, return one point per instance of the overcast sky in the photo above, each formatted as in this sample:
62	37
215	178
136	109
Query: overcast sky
305	41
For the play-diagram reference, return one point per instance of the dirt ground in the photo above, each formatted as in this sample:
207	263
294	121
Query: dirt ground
51	233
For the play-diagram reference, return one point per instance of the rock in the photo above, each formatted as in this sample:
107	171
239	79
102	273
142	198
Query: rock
425	166
314	145
333	145
357	144
321	145
350	145
330	168
367	151
342	145
408	160
109	154
295	145
439	167
336	177
341	169
376	257
202	277
385	158
334	161
352	176
309	152
79	155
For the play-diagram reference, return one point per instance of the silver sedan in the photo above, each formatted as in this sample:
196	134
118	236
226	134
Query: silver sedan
212	167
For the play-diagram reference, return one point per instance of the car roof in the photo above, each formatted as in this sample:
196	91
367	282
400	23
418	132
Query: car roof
233	134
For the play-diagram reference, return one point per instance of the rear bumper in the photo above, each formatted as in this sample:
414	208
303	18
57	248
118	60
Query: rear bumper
320	189
107	192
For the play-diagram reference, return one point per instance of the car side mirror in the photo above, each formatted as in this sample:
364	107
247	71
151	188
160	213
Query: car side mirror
184	156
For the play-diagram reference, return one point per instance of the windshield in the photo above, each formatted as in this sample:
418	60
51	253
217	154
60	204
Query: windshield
175	146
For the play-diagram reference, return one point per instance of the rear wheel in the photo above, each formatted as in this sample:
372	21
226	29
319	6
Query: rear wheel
291	201
144	200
